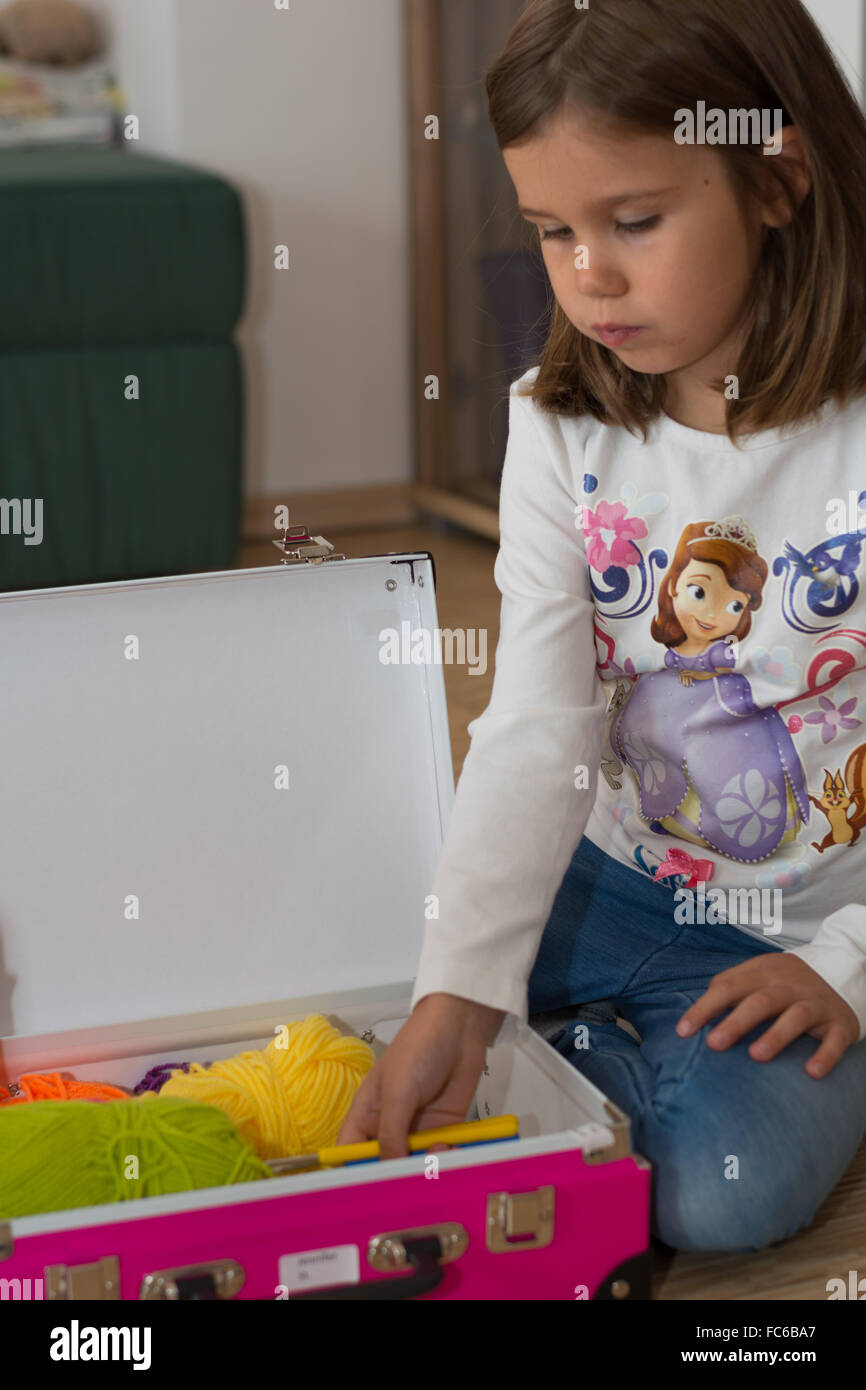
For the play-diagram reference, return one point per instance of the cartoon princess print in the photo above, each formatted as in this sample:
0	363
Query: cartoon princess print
711	765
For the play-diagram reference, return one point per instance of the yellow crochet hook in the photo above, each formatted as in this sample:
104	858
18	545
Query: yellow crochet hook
470	1132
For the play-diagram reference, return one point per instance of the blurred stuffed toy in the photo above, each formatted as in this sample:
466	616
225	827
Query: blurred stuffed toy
57	32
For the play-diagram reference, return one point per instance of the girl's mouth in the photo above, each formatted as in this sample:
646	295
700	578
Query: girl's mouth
613	334
707	627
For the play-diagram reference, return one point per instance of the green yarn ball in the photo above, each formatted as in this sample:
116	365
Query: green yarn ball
55	1155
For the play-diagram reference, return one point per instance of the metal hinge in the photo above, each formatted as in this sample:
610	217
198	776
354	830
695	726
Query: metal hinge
94	1283
603	1143
298	547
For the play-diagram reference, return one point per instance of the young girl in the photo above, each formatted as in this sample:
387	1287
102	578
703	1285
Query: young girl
680	690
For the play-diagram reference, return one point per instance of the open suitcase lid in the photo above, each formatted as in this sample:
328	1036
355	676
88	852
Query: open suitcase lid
153	860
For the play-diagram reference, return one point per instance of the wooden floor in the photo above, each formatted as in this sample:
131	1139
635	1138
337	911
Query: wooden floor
835	1243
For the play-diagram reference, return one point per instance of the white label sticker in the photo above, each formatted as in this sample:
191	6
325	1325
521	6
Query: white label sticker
315	1269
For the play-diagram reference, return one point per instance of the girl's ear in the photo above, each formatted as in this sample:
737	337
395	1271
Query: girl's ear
775	211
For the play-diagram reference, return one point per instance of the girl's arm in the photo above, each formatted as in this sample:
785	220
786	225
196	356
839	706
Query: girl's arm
517	816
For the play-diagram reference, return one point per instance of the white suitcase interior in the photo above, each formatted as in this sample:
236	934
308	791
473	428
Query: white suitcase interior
146	725
557	1108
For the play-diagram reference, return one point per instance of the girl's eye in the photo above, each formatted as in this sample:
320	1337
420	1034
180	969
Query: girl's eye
565	233
695	591
735	606
644	226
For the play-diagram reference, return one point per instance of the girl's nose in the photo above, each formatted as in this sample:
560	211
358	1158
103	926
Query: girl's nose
594	276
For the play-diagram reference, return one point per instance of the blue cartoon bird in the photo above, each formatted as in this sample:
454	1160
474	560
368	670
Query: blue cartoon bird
820	566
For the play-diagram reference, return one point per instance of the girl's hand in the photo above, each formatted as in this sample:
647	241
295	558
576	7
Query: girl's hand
783	987
426	1077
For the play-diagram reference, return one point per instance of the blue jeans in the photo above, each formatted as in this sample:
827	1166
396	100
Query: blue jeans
743	1152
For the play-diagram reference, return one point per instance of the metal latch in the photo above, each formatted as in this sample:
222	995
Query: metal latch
520	1220
216	1279
298	547
95	1283
389	1251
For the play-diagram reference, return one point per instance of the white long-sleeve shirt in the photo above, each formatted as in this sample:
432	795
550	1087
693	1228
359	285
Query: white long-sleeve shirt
596	726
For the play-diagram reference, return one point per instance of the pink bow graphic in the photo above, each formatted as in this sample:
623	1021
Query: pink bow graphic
677	861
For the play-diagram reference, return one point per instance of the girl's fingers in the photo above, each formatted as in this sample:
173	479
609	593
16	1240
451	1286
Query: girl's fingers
720	996
362	1118
798	1018
758	1005
759	989
399	1107
832	1048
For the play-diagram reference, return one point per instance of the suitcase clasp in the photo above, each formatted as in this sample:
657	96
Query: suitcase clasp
213	1280
520	1220
389	1251
299	547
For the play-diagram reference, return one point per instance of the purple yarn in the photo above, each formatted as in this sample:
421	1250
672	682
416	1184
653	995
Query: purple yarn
157	1077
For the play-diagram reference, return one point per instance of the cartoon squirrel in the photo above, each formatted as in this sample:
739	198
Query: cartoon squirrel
838	795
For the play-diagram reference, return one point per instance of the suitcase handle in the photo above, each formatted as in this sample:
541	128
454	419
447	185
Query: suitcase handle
423	1255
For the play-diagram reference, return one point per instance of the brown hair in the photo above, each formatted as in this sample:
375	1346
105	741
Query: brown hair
744	570
634	63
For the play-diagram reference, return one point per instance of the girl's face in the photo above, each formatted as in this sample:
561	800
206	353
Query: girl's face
669	248
706	606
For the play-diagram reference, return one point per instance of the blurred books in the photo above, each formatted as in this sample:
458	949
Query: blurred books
43	105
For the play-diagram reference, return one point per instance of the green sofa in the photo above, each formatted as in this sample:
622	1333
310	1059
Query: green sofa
122	279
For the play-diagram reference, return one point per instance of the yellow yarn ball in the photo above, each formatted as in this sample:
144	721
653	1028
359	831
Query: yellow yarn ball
289	1099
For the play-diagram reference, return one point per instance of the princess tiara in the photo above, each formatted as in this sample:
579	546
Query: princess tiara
730	528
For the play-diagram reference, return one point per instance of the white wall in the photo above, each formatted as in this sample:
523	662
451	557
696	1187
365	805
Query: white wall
843	24
305	111
144	49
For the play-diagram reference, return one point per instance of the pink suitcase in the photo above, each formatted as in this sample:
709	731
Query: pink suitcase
156	886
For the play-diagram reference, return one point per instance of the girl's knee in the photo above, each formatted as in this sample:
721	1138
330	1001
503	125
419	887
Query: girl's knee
717	1192
740	1167
700	1225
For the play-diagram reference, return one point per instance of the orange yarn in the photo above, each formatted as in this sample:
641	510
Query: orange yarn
59	1086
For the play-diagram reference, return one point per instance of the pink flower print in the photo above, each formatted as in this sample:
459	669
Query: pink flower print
832	719
609	532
